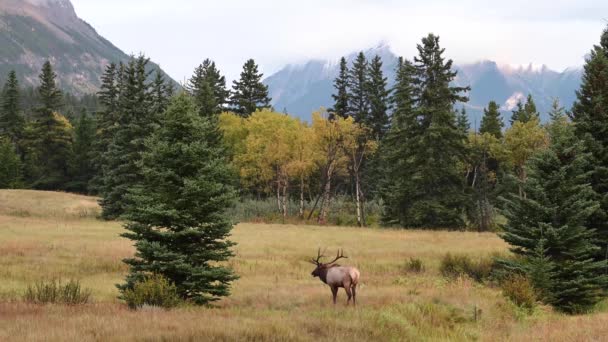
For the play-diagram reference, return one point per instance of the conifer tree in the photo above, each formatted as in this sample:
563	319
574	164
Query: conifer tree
50	140
590	116
11	118
358	83
549	227
81	165
492	122
525	112
11	176
135	123
557	112
431	195
177	217
341	97
161	92
208	87
463	122
249	93
378	97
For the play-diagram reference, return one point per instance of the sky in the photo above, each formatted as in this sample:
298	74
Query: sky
179	34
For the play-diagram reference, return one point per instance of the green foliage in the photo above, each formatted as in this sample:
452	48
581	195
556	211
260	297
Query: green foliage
341	97
358	80
415	265
249	93
81	168
177	213
426	191
525	112
11	118
492	122
549	226
10	166
154	290
378	97
56	292
208	87
520	291
458	265
463	121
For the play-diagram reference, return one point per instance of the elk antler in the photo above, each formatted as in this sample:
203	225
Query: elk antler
319	256
339	256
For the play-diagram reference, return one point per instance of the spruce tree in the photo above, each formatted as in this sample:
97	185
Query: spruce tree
50	142
431	195
550	226
358	83
492	122
462	121
81	165
11	118
249	93
161	92
11	176
135	122
208	87
525	112
590	116
177	217
378	97
341	97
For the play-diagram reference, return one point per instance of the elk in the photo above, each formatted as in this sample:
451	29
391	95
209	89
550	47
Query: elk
337	276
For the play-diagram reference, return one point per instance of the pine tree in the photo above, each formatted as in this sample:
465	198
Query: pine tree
161	92
208	87
81	165
525	112
429	192
492	122
136	122
378	96
463	122
177	217
358	83
549	227
50	141
590	116
11	118
341	97
249	93
11	176
557	112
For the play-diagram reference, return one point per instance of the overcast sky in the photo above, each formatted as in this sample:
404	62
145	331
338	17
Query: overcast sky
179	34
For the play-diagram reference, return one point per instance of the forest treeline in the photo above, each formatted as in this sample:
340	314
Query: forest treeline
166	159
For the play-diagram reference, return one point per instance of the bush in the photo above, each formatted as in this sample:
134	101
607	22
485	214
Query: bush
53	291
520	291
453	266
155	290
414	265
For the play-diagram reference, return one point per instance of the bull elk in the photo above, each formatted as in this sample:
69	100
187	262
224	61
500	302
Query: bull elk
337	276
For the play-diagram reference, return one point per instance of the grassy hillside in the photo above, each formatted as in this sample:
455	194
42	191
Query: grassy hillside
55	235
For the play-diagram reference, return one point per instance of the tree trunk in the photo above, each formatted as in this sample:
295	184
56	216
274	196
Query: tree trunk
301	197
358	200
326	198
285	185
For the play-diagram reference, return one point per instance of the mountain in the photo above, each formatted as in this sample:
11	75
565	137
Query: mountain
303	88
32	31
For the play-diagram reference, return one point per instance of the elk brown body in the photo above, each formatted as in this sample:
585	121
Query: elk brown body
336	276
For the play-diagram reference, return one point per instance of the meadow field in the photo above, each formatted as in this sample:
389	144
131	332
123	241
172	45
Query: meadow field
45	235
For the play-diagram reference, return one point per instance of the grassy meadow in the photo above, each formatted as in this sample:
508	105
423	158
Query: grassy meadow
45	235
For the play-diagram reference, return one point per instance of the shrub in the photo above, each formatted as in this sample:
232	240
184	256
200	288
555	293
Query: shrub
155	290
54	291
454	266
520	291
415	265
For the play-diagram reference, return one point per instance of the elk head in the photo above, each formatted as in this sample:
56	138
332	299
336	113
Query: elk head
324	266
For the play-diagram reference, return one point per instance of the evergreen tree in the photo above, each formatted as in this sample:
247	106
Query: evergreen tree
430	194
208	87
590	116
177	217
50	140
492	122
378	97
358	85
161	93
525	112
463	122
341	97
249	93
557	112
549	227
11	118
81	168
136	122
10	166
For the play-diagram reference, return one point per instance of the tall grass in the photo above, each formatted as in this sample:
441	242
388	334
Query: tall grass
56	292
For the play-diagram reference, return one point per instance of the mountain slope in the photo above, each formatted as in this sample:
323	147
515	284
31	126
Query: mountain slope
302	89
32	31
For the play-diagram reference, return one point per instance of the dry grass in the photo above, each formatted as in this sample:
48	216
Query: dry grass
275	299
